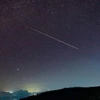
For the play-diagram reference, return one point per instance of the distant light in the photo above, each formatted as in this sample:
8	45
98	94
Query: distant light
10	91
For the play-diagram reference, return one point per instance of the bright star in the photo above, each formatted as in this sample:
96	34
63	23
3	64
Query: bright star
17	69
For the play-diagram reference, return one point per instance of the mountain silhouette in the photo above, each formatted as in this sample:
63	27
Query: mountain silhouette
2	93
75	93
15	95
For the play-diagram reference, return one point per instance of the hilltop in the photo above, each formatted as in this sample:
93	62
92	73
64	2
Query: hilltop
75	93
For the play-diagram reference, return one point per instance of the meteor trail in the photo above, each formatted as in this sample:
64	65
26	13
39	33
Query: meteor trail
55	39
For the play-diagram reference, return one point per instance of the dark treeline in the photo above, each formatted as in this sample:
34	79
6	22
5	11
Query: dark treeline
76	93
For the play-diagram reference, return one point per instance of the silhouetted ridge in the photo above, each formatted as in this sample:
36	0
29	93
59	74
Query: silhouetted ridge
76	93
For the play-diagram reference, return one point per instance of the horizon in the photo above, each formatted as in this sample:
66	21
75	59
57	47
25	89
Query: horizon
49	89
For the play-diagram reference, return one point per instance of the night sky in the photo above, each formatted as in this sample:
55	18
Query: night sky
32	61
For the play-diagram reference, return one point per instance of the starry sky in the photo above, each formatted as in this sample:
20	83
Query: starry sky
29	60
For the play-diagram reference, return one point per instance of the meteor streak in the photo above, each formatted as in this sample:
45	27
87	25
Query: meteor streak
55	39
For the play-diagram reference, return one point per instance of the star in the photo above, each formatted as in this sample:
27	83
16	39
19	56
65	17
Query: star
17	69
11	57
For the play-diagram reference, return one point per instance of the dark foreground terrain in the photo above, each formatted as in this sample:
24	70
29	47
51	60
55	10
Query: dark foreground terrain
77	93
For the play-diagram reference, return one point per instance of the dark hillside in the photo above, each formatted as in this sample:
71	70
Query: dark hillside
91	93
